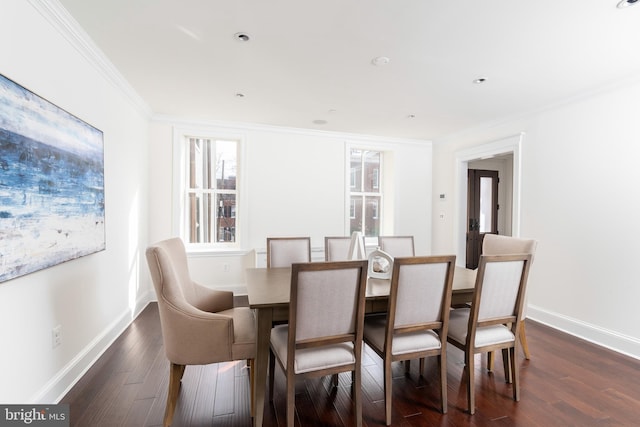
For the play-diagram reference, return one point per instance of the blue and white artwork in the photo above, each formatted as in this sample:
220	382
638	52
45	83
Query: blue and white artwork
51	184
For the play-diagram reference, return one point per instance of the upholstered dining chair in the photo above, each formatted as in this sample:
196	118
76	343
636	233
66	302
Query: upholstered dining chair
397	246
494	244
324	333
284	251
493	320
416	323
199	325
337	248
344	248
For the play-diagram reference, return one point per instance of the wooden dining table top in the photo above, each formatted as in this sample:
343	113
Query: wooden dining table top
270	287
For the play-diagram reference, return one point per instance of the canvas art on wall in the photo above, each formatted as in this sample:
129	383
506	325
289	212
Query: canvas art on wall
51	184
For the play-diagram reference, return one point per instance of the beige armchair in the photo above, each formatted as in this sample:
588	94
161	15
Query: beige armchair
199	325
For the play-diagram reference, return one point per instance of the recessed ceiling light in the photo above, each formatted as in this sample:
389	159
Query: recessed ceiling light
625	3
242	37
380	60
320	122
479	80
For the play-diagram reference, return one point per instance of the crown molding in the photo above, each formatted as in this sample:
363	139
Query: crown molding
241	127
61	20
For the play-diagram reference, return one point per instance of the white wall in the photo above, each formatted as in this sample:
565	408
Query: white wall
579	199
295	185
93	298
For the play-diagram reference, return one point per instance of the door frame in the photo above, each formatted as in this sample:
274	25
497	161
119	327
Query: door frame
508	145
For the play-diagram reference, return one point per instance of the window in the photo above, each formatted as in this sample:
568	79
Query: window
365	191
209	190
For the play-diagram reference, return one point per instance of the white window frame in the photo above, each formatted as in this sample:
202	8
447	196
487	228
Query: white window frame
369	240
181	137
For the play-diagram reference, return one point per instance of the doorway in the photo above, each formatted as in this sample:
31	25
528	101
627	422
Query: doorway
482	211
503	156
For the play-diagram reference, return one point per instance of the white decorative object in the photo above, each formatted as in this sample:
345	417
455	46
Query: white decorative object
380	264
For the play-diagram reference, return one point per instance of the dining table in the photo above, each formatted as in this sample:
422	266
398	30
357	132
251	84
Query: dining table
268	292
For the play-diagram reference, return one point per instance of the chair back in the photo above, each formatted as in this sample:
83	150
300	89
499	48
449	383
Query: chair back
494	244
337	248
500	289
169	269
397	246
420	294
174	288
284	251
327	303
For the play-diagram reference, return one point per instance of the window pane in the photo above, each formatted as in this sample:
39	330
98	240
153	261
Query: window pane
486	204
226	163
199	218
372	171
356	170
356	214
372	216
226	221
199	161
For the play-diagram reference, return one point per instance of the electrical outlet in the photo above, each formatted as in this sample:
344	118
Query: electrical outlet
226	268
56	336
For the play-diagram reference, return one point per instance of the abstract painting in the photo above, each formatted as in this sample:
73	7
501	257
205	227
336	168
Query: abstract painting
51	184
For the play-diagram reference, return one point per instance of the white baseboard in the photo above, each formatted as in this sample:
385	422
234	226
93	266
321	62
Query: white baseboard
56	388
612	340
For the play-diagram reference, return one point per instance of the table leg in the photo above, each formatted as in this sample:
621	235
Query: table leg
265	321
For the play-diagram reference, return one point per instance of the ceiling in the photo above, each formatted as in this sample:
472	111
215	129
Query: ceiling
308	64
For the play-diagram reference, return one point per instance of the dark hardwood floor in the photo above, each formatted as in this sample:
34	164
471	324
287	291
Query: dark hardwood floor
567	382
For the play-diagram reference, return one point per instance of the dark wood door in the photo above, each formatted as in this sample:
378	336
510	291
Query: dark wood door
482	211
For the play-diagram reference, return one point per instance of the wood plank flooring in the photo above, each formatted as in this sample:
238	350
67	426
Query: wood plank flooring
567	382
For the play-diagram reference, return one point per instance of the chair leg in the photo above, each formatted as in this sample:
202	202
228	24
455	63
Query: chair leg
514	370
507	365
490	360
357	394
272	366
523	341
407	366
252	385
291	398
387	390
470	368
334	380
442	367
175	375
421	367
